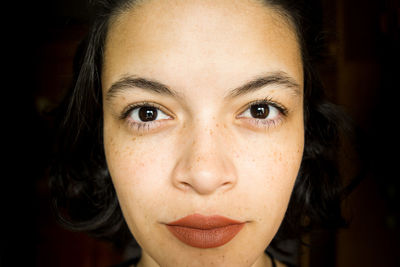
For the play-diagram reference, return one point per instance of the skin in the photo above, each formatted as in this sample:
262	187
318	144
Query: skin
204	154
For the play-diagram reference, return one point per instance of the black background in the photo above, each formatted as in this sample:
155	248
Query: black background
360	70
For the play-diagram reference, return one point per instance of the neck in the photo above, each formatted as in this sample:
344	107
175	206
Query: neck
147	261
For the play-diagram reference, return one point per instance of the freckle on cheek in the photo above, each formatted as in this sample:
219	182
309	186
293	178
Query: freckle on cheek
110	144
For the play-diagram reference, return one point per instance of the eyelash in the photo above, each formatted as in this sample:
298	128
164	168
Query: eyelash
141	126
258	123
266	123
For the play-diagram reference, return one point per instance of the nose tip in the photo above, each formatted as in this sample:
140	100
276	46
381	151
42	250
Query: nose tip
205	182
204	174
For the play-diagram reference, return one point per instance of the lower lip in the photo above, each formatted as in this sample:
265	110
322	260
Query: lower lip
205	238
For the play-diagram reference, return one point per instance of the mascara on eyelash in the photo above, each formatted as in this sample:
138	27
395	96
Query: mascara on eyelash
125	113
271	102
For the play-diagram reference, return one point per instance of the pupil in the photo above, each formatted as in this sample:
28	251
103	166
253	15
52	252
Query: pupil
147	113
259	111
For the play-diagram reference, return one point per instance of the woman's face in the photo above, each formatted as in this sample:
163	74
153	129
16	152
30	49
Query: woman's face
203	127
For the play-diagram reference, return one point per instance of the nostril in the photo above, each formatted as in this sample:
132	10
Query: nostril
185	185
226	183
203	174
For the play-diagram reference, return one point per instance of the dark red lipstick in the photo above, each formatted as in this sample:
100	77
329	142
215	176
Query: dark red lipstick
205	231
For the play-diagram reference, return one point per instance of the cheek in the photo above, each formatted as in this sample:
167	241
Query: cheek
272	171
268	168
138	169
141	169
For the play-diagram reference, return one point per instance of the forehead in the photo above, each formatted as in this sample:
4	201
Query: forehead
197	41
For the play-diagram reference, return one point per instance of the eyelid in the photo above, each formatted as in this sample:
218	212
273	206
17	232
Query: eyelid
266	123
143	126
128	109
281	108
150	125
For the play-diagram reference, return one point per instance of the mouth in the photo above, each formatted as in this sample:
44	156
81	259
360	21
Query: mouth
205	231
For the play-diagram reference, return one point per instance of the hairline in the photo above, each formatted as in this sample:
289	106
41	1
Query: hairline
287	17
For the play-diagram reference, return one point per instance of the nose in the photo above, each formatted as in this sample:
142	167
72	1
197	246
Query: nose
205	165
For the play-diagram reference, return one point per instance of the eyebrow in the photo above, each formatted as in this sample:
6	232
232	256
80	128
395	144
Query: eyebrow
130	81
273	78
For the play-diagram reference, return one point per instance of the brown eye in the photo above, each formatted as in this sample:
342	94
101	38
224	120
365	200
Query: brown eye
262	112
147	113
259	111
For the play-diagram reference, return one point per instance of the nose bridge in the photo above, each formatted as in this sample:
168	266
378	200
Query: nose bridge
204	137
205	148
205	165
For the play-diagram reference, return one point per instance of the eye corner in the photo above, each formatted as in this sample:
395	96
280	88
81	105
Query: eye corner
275	116
131	117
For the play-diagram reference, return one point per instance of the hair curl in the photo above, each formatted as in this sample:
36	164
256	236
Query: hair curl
82	191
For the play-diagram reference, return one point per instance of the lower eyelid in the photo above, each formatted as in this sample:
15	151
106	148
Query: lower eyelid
263	123
139	126
146	126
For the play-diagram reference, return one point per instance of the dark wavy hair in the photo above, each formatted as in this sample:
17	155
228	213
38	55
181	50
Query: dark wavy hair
82	191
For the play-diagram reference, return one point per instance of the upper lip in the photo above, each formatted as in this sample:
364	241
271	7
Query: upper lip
198	221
